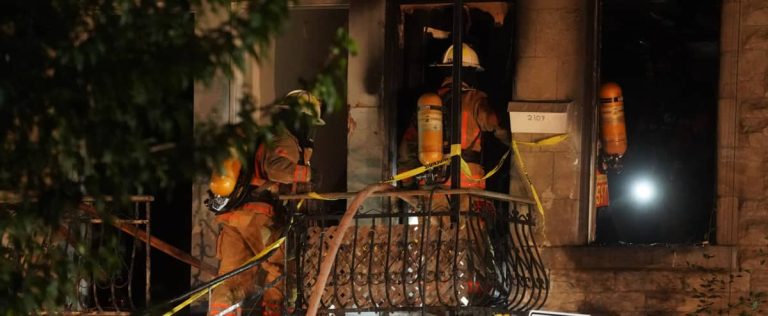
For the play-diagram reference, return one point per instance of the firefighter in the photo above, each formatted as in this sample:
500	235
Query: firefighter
246	229
476	117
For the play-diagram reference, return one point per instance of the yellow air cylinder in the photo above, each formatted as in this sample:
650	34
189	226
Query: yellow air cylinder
224	184
430	126
613	127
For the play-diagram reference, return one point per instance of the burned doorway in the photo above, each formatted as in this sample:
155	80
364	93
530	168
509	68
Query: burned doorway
419	36
300	52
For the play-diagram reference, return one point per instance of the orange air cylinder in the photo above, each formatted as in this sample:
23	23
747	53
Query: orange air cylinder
430	126
224	184
612	125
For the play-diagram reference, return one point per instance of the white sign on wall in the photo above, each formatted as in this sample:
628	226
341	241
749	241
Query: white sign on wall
538	117
538	122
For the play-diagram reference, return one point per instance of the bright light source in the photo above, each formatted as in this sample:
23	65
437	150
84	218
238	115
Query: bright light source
643	191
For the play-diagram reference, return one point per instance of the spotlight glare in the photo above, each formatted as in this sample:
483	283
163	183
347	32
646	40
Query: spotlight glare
643	191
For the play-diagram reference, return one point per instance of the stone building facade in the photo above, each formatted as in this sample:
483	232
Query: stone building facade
554	62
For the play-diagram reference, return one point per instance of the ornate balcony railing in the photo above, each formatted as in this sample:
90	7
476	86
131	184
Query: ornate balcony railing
121	291
117	293
480	259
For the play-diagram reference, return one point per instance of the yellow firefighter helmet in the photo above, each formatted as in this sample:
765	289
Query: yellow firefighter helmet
469	58
314	110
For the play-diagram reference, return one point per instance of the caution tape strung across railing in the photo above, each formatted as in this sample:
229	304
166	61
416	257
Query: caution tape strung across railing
456	151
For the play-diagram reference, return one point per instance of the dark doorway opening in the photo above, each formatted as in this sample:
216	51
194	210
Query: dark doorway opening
300	52
422	34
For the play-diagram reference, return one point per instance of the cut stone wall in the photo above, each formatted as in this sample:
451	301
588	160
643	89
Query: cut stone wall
550	66
749	114
658	280
643	280
367	141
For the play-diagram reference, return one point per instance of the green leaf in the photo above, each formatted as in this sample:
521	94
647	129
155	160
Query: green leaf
123	71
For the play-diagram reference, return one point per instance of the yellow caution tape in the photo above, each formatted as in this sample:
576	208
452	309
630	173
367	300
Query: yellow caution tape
417	171
316	196
455	151
197	295
521	165
266	250
465	168
190	300
553	140
527	179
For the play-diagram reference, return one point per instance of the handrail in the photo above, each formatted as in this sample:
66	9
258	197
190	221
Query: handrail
155	242
11	197
485	259
407	193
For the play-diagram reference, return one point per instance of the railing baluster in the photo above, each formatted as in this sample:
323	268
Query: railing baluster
404	260
387	275
372	247
353	266
421	272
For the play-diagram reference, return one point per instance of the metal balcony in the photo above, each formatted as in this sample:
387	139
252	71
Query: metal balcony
482	259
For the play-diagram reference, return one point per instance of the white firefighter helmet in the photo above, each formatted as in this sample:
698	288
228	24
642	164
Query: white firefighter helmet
468	58
314	111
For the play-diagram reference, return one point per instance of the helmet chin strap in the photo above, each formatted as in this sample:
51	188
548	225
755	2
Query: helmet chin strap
306	134
306	141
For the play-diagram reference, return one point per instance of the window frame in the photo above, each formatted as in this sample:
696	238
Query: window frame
726	201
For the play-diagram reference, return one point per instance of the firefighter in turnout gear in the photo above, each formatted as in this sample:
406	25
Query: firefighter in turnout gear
250	226
476	117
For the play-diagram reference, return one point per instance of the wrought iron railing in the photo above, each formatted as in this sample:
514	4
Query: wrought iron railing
480	259
126	289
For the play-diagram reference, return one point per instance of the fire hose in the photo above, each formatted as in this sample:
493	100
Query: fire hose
335	243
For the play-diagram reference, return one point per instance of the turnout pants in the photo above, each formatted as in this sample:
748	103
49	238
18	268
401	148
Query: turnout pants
244	233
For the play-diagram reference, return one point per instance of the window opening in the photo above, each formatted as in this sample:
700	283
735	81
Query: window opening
664	54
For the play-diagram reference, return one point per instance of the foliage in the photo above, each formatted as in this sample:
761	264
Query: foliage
713	288
95	100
